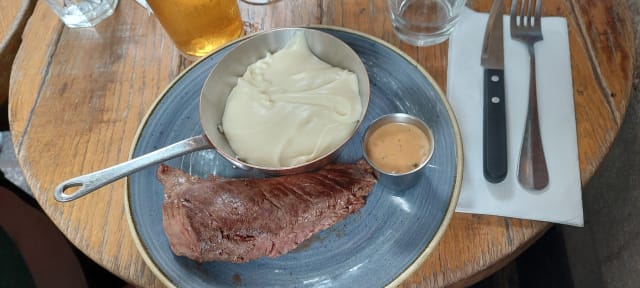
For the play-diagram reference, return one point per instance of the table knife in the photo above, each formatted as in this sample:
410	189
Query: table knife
494	122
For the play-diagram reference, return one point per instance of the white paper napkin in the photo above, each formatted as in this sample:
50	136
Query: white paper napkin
561	201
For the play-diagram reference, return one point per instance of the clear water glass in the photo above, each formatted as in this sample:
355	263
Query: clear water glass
424	22
82	13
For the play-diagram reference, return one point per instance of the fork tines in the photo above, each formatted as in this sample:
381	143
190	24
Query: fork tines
526	17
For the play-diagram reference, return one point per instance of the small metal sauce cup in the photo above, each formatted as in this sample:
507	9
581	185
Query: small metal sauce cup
404	180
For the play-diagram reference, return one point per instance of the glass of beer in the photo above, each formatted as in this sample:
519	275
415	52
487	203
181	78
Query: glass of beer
197	27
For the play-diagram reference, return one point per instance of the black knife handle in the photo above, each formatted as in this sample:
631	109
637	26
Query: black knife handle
495	127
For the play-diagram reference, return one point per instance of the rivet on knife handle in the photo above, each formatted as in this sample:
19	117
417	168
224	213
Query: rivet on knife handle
495	129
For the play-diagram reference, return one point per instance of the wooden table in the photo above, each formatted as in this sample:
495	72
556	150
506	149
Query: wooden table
14	16
78	96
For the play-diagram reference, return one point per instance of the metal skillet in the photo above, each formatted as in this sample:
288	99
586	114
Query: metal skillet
213	98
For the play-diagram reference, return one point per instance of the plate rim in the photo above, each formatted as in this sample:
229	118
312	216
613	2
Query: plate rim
453	200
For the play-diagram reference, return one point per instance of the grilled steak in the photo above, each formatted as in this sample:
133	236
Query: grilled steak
237	220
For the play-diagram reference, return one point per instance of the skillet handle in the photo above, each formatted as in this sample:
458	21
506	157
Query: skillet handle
95	180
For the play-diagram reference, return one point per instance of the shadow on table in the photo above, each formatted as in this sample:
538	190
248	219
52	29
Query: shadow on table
544	264
34	253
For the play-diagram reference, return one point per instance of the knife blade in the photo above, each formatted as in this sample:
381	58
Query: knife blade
494	122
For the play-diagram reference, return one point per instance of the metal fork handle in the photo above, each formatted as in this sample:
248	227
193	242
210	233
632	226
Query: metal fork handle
532	167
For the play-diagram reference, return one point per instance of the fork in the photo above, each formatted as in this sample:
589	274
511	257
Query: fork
532	166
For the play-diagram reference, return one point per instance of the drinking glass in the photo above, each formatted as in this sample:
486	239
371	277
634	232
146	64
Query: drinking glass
82	13
424	22
198	27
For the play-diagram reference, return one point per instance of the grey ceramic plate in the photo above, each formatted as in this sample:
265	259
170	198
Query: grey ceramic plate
380	245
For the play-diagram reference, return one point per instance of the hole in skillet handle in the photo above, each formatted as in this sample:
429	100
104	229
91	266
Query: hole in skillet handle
84	189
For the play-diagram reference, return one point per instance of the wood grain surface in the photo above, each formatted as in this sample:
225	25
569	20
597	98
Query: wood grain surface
14	16
77	97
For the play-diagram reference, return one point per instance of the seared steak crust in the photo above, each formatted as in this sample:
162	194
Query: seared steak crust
237	220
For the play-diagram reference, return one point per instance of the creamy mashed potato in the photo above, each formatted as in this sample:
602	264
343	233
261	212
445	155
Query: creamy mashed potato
290	108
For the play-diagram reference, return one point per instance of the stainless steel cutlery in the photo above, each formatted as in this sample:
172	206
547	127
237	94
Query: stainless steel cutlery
525	26
494	124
